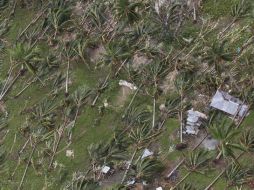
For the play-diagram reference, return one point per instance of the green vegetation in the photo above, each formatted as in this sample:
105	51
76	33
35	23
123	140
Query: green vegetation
86	85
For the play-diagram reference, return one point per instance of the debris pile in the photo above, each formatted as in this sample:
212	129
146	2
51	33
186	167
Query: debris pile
194	121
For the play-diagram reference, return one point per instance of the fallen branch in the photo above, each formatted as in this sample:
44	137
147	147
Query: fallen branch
10	85
27	165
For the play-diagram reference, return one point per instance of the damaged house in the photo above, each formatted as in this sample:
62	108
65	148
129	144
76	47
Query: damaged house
194	120
229	104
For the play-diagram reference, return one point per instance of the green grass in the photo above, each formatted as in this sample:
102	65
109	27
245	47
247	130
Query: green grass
91	127
218	8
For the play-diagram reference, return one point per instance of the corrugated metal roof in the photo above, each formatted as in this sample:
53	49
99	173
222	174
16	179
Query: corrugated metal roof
227	103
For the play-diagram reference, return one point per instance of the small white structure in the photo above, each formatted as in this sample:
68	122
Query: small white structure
194	121
105	169
146	153
159	188
70	153
127	84
229	104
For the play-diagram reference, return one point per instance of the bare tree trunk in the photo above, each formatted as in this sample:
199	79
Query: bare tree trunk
129	165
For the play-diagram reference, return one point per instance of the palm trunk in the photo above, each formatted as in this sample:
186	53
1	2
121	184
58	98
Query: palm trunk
154	108
98	94
75	120
27	165
177	166
219	155
215	180
181	162
56	147
10	85
222	172
187	175
31	82
67	79
129	165
181	119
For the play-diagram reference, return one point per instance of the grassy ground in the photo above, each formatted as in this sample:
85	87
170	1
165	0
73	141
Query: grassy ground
91	128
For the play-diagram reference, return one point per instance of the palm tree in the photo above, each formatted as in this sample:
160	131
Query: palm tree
79	97
139	137
80	182
194	162
116	52
235	175
96	15
126	11
145	169
238	11
247	141
59	14
23	54
217	54
225	134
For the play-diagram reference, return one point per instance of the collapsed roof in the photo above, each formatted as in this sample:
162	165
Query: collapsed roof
194	121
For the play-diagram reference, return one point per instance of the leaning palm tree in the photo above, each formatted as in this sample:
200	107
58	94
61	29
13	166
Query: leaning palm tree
195	162
139	138
80	182
225	134
146	168
59	14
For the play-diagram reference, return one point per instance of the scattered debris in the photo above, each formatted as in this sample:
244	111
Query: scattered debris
229	104
105	169
210	143
146	153
194	121
181	146
105	103
127	84
162	108
70	153
131	182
